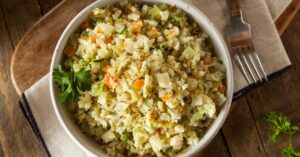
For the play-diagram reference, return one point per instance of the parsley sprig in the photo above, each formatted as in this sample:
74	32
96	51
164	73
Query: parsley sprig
282	125
71	83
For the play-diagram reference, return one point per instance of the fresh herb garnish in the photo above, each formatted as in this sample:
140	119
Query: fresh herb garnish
83	79
282	125
98	60
124	31
290	151
176	18
71	83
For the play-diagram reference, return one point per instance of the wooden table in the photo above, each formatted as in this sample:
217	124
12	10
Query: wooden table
244	133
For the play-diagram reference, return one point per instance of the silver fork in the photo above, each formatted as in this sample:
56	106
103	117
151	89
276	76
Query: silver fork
239	38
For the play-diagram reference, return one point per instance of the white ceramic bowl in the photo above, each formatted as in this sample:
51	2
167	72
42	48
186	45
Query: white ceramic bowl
220	49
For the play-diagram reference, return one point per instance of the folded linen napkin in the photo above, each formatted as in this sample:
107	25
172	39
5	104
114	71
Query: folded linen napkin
277	7
36	102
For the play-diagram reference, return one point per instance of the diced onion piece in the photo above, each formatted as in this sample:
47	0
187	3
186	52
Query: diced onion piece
137	26
179	128
156	144
163	80
176	142
108	136
134	16
189	53
164	15
121	107
85	101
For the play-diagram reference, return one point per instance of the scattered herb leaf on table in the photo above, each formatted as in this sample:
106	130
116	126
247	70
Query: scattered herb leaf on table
282	125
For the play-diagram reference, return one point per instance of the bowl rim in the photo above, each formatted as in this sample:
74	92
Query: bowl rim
82	15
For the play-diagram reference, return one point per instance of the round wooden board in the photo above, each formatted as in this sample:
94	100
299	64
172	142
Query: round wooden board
32	56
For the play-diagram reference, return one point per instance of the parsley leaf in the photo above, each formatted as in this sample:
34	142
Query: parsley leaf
282	125
71	84
83	79
124	31
64	81
98	60
176	18
290	152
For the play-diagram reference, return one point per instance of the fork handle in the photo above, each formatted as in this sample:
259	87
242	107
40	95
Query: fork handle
234	7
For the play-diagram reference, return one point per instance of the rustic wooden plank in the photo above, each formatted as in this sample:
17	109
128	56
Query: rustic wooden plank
241	133
19	16
16	135
280	94
47	5
287	16
270	97
267	98
41	46
217	148
291	40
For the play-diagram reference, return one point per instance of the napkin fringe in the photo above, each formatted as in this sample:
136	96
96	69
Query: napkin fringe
23	103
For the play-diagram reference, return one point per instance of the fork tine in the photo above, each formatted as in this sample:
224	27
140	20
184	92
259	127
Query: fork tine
253	66
243	50
242	68
249	55
260	65
248	67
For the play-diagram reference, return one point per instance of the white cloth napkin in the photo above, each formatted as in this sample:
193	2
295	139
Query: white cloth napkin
266	41
58	143
277	7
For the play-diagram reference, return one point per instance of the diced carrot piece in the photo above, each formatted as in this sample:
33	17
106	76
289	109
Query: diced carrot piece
108	81
153	31
106	68
93	38
153	115
171	32
99	31
137	26
108	40
69	51
138	84
166	97
207	61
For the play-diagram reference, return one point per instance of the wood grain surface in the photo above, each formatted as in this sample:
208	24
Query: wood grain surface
287	16
16	135
244	134
33	54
